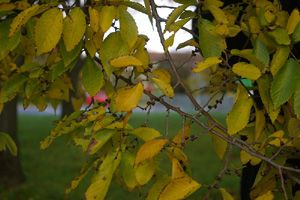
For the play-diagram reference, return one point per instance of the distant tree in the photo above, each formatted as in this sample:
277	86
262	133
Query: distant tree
51	35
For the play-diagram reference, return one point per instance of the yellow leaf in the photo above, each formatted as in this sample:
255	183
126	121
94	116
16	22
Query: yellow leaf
128	27
144	171
207	63
128	98
107	14
178	138
48	30
145	133
163	75
7	6
241	93
165	87
216	3
89	43
103	122
254	24
77	103
21	19
157	187
149	149
245	157
74	28
267	196
246	70
222	29
179	188
292	21
41	103
239	113
97	39
177	170
225	194
125	61
94	19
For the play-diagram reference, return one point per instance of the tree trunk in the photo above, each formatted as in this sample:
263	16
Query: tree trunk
11	173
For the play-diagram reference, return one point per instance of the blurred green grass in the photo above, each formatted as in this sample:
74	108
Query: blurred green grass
49	172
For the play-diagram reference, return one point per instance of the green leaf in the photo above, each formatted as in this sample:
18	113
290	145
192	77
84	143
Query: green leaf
284	85
128	170
22	18
297	100
61	68
102	179
92	77
279	58
261	52
12	87
74	28
179	188
149	149
296	33
127	98
280	36
28	66
7	44
174	15
69	56
239	113
98	140
135	5
208	44
112	47
6	140
145	133
128	27
246	70
48	30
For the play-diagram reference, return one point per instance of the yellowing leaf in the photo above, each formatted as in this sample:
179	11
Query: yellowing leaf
7	141
267	196
74	28
22	18
144	171
218	13
279	58
128	170
125	61
94	19
174	15
128	98
178	140
293	21
145	133
162	74
225	194
101	181
107	14
128	27
149	149
165	87
280	36
169	42
238	117
220	145
99	140
246	70
157	187
245	157
48	30
260	122
179	188
207	63
177	170
12	87
92	77
254	24
248	54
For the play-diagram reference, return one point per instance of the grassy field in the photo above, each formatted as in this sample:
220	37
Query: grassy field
50	172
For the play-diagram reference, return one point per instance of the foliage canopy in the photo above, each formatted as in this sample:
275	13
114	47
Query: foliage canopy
51	36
